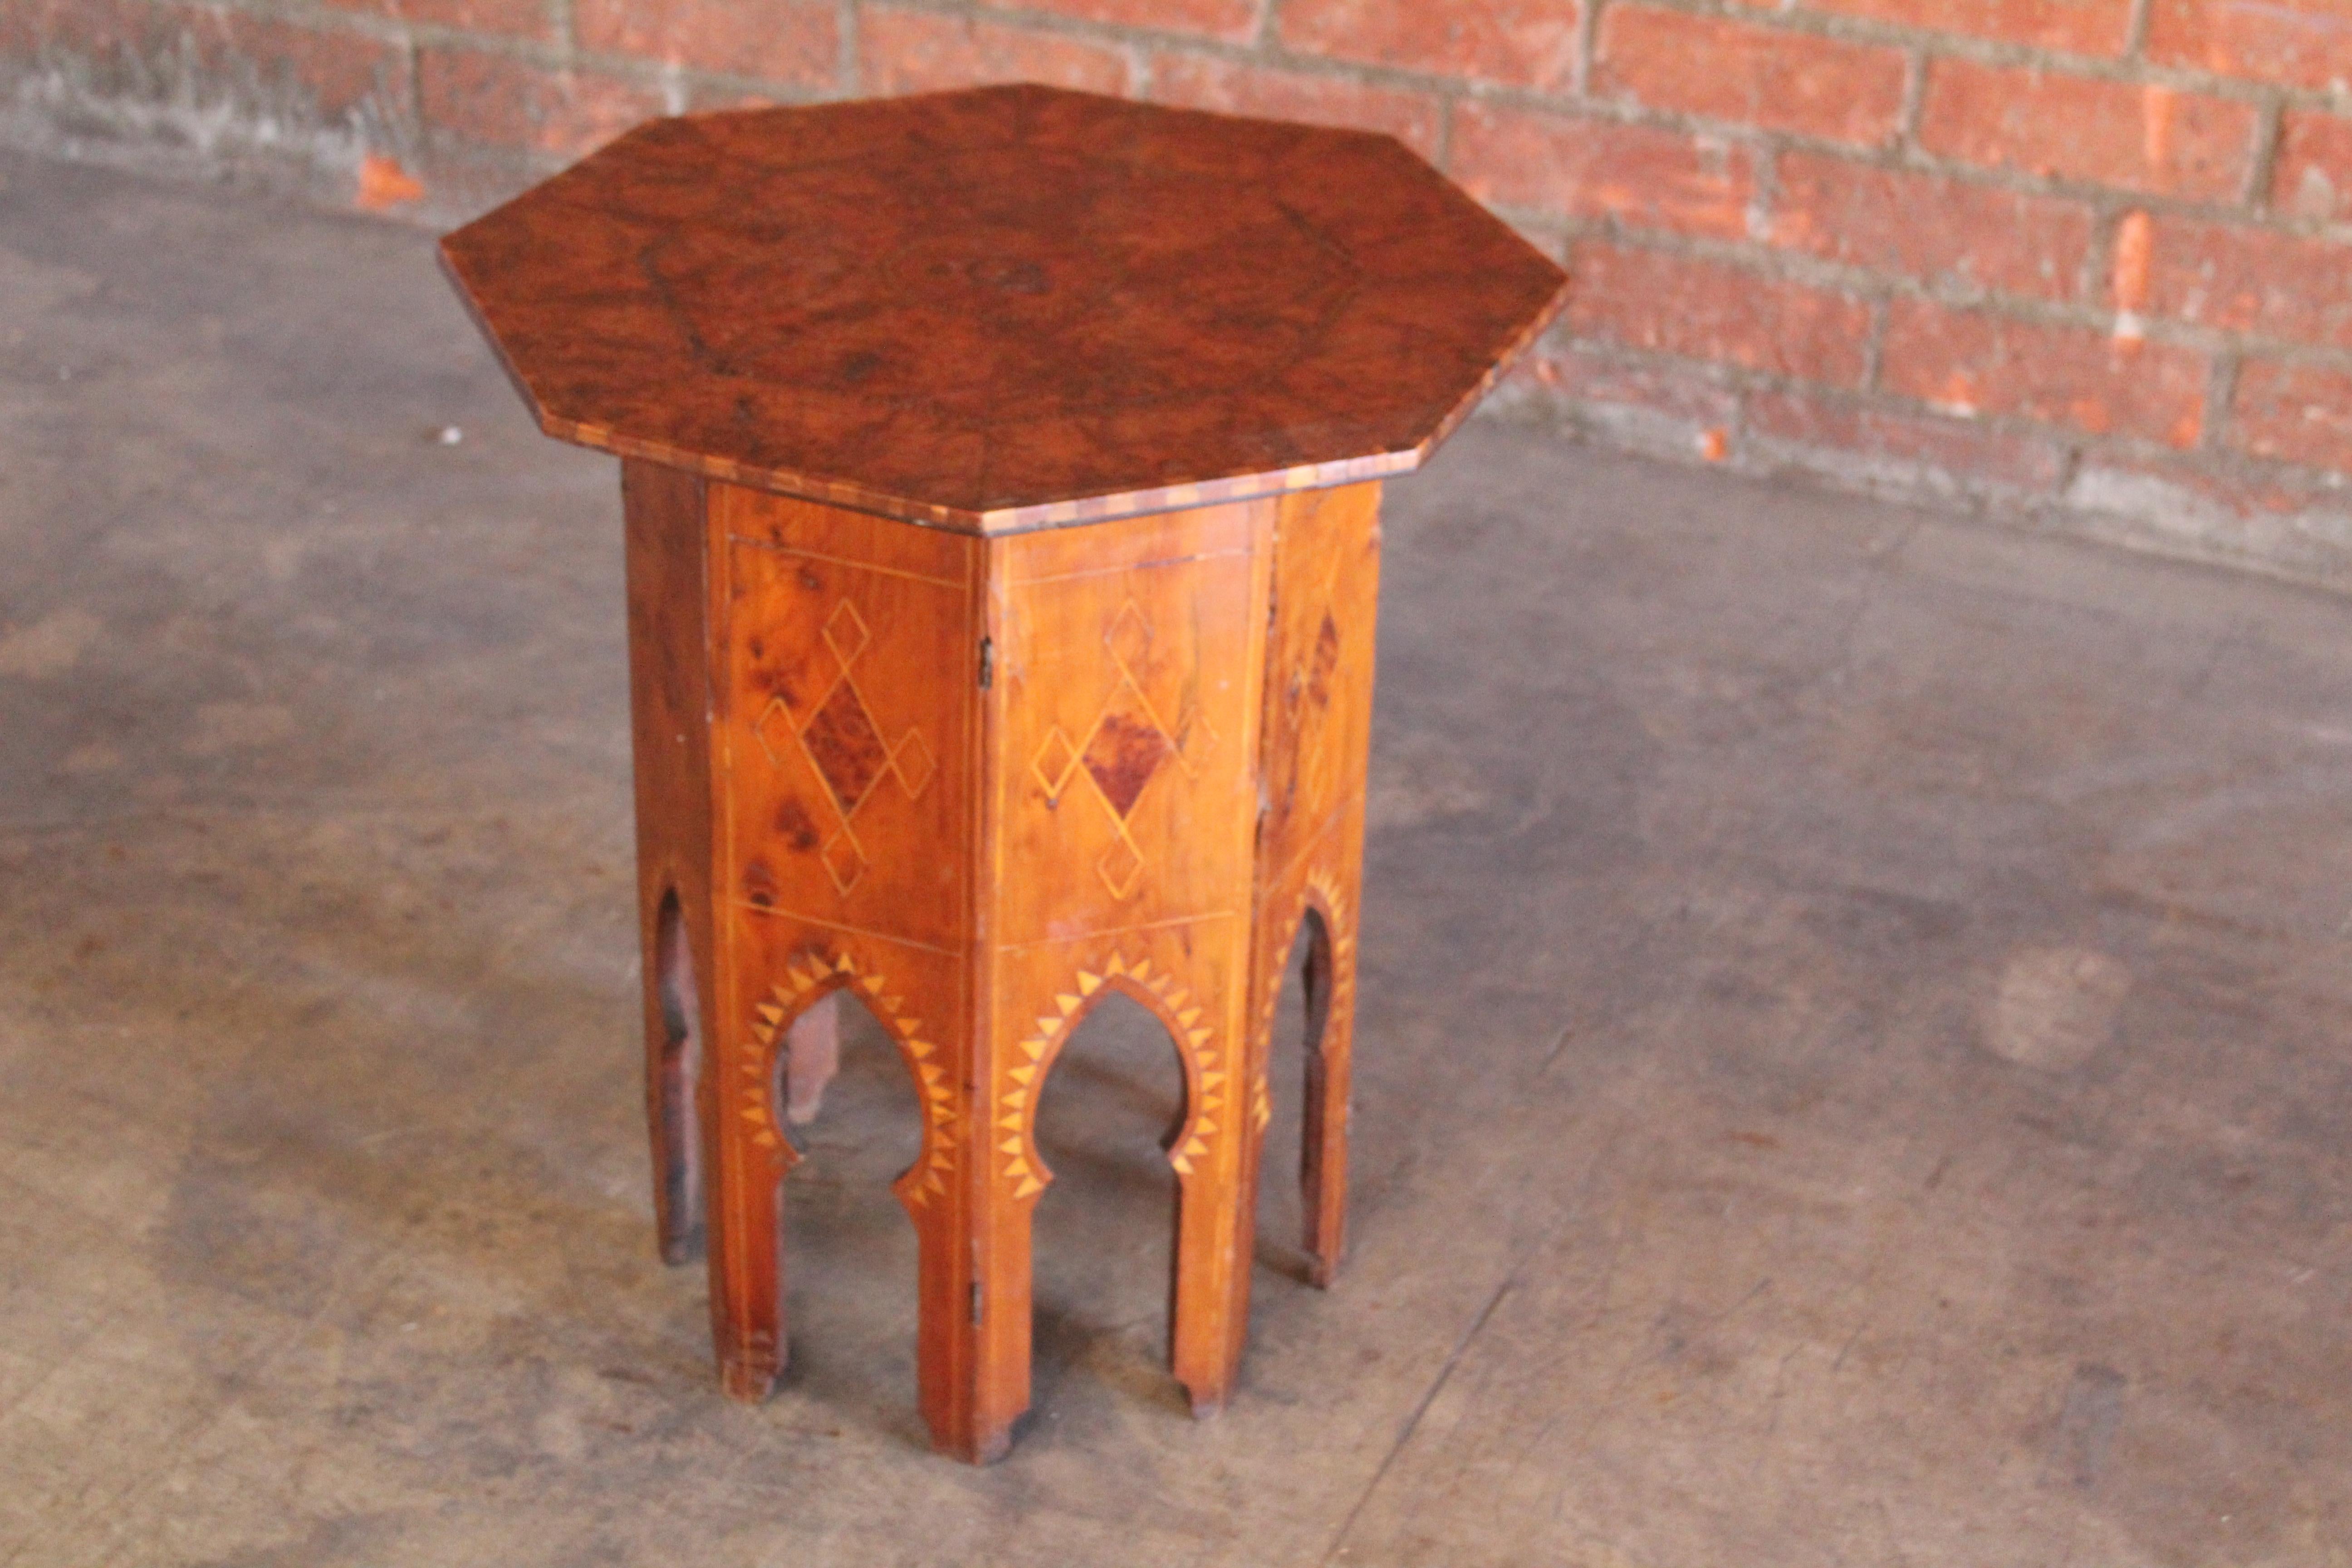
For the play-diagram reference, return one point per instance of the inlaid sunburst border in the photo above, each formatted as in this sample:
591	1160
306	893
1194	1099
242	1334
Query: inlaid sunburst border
1205	1073
806	977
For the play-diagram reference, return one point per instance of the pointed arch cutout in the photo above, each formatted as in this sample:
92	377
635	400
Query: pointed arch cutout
1315	975
1207	1072
809	978
677	1069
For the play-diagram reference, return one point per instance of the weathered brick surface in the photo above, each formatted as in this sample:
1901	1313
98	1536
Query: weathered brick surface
270	65
797	42
1704	310
2307	43
2137	136
337	73
1687	394
2300	413
2312	178
1993	242
1930	227
509	103
1232	87
1769	78
1235	20
1588	167
2015	461
919	51
2081	27
1521	43
507	18
1976	362
2286	287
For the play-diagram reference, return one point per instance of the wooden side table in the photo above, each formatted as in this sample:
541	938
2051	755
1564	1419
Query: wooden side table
1001	472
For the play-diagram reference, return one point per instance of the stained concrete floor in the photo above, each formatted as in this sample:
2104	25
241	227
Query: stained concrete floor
1855	1054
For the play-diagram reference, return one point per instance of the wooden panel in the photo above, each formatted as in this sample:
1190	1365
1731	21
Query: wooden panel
1318	694
1126	693
852	667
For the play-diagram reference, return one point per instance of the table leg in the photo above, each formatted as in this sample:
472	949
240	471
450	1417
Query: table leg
670	735
1312	764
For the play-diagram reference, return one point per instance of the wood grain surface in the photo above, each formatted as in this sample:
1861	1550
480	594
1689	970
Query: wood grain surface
1006	308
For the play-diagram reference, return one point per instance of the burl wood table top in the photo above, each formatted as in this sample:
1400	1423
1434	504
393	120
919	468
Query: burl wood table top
1004	308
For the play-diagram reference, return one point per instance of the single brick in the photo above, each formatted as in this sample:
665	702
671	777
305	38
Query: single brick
1963	449
2240	279
2081	27
2314	177
1930	227
1519	43
1707	311
1235	21
917	51
510	103
2305	42
794	41
2133	259
2297	412
1197	82
2141	137
1755	75
1974	362
1580	167
513	18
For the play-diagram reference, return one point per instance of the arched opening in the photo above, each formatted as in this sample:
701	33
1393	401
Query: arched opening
1103	1243
677	1069
1294	1078
850	1264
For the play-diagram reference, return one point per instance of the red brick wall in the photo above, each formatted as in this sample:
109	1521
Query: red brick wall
2092	254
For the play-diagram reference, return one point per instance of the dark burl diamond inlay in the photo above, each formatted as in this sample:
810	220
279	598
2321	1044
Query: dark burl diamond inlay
1126	751
848	750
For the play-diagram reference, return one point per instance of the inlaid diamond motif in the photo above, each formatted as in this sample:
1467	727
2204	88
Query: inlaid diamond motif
841	740
1126	748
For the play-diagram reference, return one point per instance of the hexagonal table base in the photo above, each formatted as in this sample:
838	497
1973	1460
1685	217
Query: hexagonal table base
985	784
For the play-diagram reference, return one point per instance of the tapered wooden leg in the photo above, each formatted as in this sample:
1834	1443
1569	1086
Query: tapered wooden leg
747	1265
1209	1315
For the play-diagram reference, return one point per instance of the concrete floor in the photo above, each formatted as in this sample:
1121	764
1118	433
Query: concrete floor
1855	1056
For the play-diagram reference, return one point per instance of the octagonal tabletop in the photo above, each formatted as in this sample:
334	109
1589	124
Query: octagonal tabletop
1005	308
